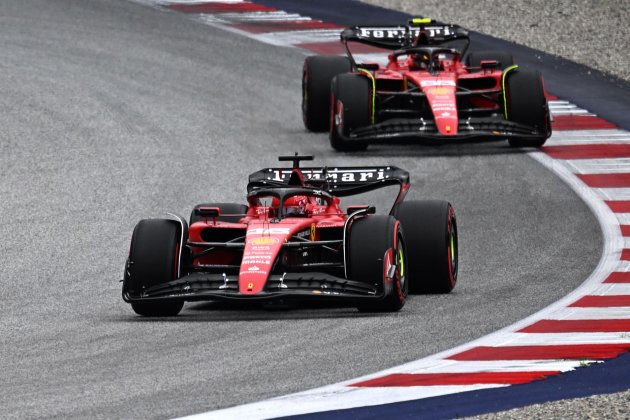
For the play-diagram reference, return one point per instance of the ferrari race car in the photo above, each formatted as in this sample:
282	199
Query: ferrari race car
293	241
431	89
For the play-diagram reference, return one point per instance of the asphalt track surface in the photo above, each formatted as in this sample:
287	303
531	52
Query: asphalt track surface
111	112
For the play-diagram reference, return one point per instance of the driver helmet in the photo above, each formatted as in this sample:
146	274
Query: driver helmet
296	206
421	60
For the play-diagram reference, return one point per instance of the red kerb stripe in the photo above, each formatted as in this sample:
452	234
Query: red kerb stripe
625	254
625	230
618	277
606	180
587	151
568	351
619	206
578	325
243	7
602	301
580	122
465	378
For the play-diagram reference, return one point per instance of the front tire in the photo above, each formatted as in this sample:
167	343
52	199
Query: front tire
375	244
432	246
351	107
526	103
317	73
154	259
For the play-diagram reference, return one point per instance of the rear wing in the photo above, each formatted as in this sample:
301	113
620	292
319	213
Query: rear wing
338	181
397	37
418	31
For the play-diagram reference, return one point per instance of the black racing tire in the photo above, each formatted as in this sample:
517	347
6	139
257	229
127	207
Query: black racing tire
351	108
474	59
317	73
224	208
375	242
526	103
154	257
432	248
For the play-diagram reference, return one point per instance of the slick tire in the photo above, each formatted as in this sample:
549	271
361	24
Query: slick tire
525	103
474	59
351	107
154	259
224	208
317	73
375	244
430	230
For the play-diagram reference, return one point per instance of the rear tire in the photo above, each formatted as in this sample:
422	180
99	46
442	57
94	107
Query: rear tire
526	103
474	59
224	208
317	73
432	248
351	108
376	242
154	259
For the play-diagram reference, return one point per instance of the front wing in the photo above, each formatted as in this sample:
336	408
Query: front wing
210	286
411	129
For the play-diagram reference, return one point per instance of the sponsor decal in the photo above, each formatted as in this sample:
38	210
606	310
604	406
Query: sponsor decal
440	91
312	232
399	32
261	248
431	83
256	259
250	286
265	240
243	273
303	234
268	231
336	175
253	268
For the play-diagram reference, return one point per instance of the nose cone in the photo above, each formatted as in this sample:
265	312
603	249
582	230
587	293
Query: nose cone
443	102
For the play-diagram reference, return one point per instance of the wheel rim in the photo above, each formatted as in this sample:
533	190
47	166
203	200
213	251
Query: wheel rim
304	92
452	250
400	263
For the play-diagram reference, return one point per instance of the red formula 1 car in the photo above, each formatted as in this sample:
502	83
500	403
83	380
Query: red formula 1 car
431	89
293	241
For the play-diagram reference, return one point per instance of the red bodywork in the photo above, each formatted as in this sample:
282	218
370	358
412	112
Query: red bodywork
440	87
264	240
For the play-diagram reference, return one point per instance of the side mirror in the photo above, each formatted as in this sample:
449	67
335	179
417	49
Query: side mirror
208	212
489	64
354	209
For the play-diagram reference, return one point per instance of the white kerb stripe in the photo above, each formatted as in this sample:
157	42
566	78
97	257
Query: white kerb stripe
590	313
599	166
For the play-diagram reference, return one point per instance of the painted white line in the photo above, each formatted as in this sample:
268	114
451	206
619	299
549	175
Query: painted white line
291	38
257	17
613	193
606	132
611	288
342	398
623	266
599	166
529	339
453	366
624	219
591	313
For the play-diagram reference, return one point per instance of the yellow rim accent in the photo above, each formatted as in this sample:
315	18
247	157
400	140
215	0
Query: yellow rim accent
509	69
420	21
371	76
402	263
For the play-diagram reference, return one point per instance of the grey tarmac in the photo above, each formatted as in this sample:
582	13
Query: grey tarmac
112	112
